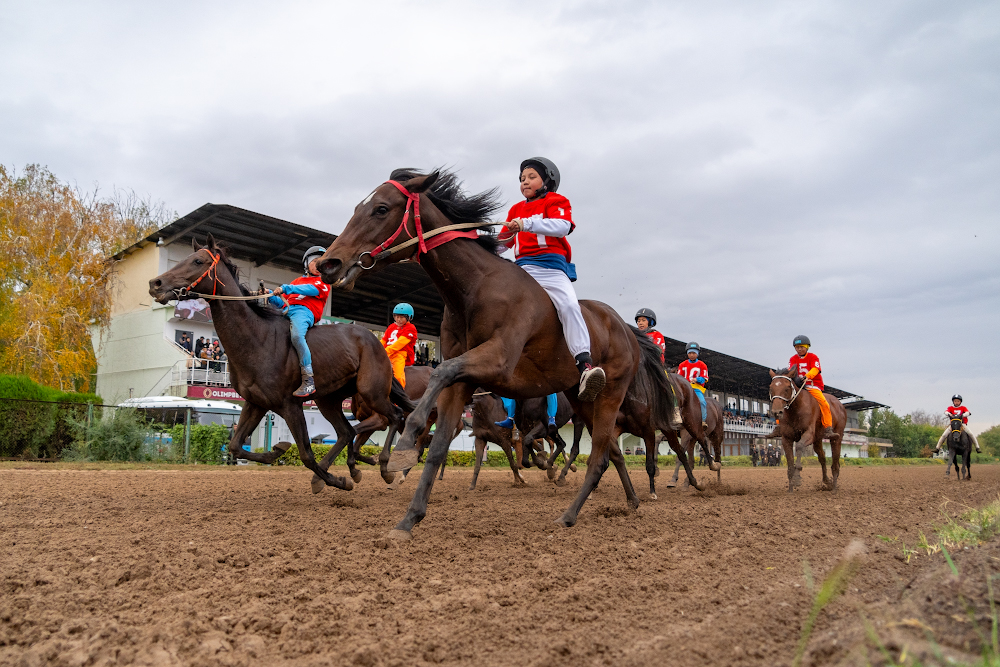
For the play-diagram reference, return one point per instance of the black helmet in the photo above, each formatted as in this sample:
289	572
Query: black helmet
801	340
315	251
958	396
693	347
546	168
648	314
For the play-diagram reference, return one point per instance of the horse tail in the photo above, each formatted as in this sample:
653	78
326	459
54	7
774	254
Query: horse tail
399	397
654	375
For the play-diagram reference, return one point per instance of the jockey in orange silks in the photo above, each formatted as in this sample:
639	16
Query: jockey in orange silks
806	365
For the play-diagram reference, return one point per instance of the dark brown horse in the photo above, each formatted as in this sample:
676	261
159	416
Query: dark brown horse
487	409
417	378
264	367
714	433
500	330
800	424
959	451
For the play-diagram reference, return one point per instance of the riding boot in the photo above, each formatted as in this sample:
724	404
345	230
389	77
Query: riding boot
308	386
592	378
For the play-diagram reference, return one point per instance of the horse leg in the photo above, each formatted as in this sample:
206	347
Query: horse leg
573	453
450	406
331	409
619	460
559	447
651	454
481	446
794	477
296	420
249	418
835	442
686	459
605	412
951	462
512	459
677	464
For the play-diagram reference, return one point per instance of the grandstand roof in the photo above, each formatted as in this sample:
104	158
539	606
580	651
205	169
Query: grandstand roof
262	239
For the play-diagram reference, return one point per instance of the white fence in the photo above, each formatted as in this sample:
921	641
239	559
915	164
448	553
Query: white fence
200	371
735	426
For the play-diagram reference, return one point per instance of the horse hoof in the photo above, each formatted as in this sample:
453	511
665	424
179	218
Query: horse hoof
281	448
356	476
399	535
560	481
565	521
347	484
389	477
402	460
671	485
715	467
551	473
317	484
653	496
572	467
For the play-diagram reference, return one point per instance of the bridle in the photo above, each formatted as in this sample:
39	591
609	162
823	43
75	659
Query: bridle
424	242
213	267
795	391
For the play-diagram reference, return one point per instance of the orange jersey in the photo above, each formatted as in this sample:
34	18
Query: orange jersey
394	332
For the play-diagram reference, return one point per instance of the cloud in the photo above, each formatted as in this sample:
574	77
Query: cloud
750	171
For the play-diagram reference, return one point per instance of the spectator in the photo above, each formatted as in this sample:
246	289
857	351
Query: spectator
186	341
199	346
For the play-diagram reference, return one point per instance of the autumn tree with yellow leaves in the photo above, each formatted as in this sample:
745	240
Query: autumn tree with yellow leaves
56	272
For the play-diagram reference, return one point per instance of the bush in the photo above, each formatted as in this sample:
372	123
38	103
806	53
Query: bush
38	425
120	437
208	443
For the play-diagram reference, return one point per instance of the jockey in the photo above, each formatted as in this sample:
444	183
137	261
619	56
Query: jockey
806	364
645	320
399	340
510	405
303	305
956	409
537	229
696	372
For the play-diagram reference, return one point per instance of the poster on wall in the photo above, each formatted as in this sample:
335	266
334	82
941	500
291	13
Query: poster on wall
196	310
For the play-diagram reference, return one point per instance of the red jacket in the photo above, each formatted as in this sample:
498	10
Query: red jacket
526	244
657	338
802	366
692	370
315	303
394	332
961	411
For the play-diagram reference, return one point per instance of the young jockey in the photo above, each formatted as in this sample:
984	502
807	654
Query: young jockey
806	364
537	229
956	409
399	339
304	303
645	319
696	372
509	404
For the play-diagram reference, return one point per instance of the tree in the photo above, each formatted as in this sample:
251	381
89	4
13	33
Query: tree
56	278
990	440
908	438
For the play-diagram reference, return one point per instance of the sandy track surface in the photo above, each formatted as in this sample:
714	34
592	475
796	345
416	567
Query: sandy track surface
246	566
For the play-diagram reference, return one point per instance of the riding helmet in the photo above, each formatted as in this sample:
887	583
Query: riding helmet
693	347
801	340
315	251
403	309
648	314
958	396
546	168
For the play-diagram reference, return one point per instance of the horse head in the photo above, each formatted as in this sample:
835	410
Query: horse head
376	223
782	391
956	431
198	274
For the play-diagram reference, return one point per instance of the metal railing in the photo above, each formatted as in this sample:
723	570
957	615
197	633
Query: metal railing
734	426
200	372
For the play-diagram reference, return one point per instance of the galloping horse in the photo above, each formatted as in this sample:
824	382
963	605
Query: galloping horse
714	433
959	449
264	367
500	330
487	409
801	424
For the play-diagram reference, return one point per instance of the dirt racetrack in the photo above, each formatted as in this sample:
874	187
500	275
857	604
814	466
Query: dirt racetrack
207	566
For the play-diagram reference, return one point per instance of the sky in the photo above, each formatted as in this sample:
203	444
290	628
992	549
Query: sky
751	171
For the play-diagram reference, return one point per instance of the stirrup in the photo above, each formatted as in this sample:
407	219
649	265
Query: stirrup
676	422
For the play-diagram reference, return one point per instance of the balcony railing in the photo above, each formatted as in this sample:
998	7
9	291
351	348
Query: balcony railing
735	426
201	372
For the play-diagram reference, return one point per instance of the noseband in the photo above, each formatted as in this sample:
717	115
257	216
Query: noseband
440	236
212	268
795	391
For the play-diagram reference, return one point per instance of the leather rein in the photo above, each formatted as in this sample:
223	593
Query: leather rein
213	268
795	391
424	241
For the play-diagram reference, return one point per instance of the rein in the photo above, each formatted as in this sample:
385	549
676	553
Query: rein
184	292
385	250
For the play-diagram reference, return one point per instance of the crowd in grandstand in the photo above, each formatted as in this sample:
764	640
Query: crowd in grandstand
743	418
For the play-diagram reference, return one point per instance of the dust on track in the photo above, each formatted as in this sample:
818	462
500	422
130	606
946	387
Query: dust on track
246	566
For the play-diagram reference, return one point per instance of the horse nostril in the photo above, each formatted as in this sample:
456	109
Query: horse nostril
155	282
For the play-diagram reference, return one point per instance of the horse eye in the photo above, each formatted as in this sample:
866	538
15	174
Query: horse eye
198	261
381	209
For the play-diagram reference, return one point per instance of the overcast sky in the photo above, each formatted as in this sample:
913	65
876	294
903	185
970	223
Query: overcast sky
749	170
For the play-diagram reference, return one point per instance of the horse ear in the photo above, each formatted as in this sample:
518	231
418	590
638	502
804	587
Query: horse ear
211	242
771	372
195	245
422	183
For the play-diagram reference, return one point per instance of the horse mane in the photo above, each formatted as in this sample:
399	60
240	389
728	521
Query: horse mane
267	310
459	207
787	372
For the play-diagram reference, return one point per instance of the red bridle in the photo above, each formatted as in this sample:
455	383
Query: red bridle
211	267
383	250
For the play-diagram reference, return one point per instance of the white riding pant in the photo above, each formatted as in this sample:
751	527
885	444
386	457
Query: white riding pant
947	432
560	290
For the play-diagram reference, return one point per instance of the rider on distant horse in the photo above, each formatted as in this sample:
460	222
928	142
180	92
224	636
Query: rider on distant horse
399	340
537	230
806	364
956	409
645	319
306	298
696	372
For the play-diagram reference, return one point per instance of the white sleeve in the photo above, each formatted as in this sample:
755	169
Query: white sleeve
555	227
